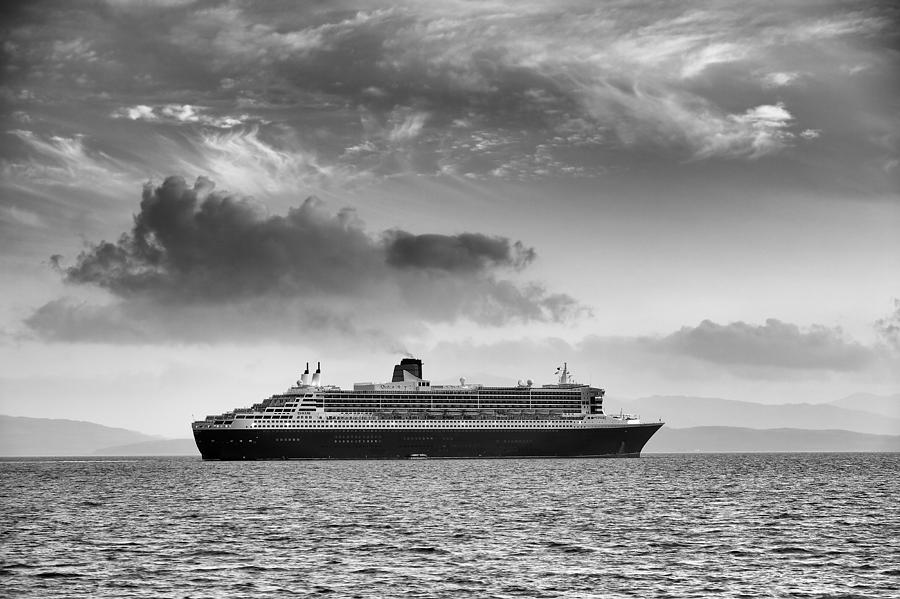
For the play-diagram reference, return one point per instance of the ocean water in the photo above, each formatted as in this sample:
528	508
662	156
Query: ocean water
780	525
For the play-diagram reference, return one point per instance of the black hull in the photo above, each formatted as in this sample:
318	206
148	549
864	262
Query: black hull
392	444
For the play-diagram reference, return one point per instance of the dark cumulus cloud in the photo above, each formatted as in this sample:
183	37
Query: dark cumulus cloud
191	244
195	254
773	344
469	252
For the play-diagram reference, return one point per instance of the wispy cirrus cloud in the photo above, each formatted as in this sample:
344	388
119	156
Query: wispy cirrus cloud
58	159
573	92
245	159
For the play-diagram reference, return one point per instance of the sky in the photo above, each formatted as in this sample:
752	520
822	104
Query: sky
199	197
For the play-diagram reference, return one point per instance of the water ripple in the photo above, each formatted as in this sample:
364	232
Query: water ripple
787	525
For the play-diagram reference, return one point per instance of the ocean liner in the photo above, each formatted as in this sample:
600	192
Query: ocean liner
409	418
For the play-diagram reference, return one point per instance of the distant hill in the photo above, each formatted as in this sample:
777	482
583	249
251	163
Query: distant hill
684	412
722	439
21	436
884	405
157	447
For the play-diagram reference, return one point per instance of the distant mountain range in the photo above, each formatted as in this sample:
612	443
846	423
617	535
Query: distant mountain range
860	422
21	436
158	447
730	439
686	412
884	405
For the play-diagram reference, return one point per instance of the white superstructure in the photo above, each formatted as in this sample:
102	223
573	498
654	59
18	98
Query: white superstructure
412	402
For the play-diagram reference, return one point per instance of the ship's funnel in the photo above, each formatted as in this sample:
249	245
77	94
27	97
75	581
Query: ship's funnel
304	378
317	375
410	365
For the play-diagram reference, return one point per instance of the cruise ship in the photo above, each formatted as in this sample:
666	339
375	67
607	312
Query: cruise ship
409	418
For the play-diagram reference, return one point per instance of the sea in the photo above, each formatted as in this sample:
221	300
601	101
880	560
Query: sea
689	525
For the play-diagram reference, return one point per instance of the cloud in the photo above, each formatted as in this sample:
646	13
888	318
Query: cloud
21	217
73	50
705	354
712	54
770	116
759	131
672	118
520	74
228	37
250	160
195	254
65	319
409	128
888	328
59	159
810	133
191	244
467	252
779	79
775	344
140	112
179	113
683	82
